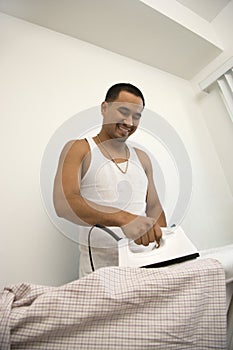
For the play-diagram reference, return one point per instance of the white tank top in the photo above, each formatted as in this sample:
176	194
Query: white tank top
105	184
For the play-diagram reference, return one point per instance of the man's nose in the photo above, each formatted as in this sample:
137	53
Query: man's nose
128	120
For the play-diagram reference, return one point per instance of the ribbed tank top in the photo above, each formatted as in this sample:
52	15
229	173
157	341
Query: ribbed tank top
105	184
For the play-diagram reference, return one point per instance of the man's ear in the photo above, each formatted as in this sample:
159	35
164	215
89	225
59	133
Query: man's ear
103	107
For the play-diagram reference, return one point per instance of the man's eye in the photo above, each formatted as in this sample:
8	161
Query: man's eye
136	116
125	112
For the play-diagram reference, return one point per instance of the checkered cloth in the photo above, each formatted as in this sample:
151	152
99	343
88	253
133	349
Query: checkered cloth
177	307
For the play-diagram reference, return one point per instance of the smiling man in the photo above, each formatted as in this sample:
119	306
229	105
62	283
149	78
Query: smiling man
105	181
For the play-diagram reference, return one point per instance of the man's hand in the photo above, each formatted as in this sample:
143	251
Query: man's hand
143	230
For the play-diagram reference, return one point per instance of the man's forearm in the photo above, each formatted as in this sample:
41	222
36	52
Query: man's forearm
84	212
162	220
158	214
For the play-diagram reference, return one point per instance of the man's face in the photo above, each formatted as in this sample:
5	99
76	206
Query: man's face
121	117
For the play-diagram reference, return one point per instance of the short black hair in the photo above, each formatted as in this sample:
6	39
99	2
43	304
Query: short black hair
114	91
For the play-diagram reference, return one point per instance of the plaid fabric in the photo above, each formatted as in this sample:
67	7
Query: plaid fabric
177	307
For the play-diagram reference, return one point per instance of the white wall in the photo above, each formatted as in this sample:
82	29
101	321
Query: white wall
46	78
213	110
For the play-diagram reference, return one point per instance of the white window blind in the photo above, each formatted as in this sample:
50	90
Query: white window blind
225	83
224	79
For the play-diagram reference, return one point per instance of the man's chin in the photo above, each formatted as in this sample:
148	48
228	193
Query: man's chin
123	135
122	138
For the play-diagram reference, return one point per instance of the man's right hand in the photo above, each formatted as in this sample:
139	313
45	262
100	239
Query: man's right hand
143	230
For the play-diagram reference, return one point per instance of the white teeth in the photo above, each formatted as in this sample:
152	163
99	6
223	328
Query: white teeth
123	128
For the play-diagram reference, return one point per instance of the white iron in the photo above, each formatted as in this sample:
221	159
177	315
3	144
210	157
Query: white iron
175	247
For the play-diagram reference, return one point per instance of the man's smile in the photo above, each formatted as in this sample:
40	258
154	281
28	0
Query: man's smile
125	130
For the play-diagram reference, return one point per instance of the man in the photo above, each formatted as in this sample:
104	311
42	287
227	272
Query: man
104	181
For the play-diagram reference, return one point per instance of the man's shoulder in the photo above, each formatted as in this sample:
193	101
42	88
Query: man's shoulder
140	152
75	147
78	143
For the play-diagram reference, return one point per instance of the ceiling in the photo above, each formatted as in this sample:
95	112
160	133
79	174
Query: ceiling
127	27
207	9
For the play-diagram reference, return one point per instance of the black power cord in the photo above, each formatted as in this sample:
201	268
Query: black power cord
104	228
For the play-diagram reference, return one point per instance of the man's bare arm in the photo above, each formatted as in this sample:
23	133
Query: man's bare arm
153	206
68	201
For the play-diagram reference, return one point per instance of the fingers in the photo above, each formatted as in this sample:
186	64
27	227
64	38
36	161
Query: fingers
138	241
143	230
145	239
151	235
154	234
158	234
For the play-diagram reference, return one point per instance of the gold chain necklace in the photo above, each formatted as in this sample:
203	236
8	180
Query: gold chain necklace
113	160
